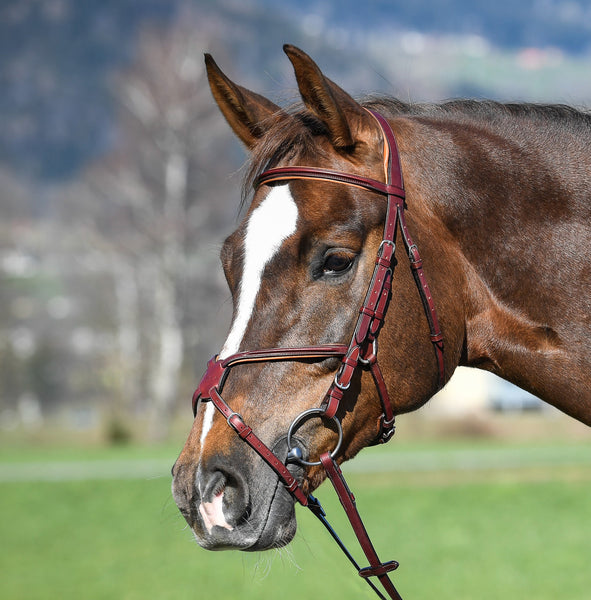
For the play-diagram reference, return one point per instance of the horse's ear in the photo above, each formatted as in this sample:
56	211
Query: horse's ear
249	115
340	113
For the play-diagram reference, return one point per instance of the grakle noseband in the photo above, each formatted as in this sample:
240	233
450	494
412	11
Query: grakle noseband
360	353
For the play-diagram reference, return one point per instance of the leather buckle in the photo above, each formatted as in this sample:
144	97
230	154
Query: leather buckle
343	387
384	243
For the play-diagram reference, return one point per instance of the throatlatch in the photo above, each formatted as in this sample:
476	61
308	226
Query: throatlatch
361	353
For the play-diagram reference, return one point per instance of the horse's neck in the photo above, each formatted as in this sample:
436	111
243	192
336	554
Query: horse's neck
525	241
549	362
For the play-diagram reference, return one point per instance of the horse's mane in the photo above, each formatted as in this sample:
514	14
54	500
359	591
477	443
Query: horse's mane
484	109
292	139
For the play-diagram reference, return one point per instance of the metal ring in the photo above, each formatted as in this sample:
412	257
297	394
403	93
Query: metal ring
367	362
319	412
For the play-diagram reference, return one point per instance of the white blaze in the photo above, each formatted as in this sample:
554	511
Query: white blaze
273	221
269	225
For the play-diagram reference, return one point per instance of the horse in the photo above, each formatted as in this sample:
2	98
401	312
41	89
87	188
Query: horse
497	197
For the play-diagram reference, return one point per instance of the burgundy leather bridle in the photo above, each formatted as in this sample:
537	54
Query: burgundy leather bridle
361	352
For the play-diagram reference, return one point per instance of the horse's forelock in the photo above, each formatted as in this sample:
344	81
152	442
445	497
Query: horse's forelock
291	139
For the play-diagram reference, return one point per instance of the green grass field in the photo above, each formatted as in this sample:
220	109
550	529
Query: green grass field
483	521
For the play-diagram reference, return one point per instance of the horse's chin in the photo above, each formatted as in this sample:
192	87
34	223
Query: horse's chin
272	525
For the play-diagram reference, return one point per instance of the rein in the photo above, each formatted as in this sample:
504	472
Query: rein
360	353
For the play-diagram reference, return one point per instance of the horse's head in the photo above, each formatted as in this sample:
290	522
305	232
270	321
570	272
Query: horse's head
298	267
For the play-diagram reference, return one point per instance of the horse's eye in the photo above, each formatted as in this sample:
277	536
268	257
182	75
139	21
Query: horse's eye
337	262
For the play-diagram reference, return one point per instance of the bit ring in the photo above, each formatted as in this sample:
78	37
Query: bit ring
304	416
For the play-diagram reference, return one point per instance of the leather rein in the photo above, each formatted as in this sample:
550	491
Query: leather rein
360	353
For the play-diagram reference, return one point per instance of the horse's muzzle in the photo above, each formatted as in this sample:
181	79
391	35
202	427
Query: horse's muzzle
228	508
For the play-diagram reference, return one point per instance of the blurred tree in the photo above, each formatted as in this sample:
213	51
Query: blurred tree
145	212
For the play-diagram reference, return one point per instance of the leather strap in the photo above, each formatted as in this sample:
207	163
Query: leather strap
377	568
246	433
297	353
416	265
217	369
289	173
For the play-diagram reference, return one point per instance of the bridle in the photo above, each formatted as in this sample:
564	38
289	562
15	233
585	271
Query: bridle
360	353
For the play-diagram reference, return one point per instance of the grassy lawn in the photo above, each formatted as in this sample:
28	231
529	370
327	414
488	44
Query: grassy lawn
509	527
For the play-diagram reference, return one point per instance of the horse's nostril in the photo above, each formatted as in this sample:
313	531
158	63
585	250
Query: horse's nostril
212	485
224	497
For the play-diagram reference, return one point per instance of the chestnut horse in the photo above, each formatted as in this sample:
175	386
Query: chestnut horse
498	199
